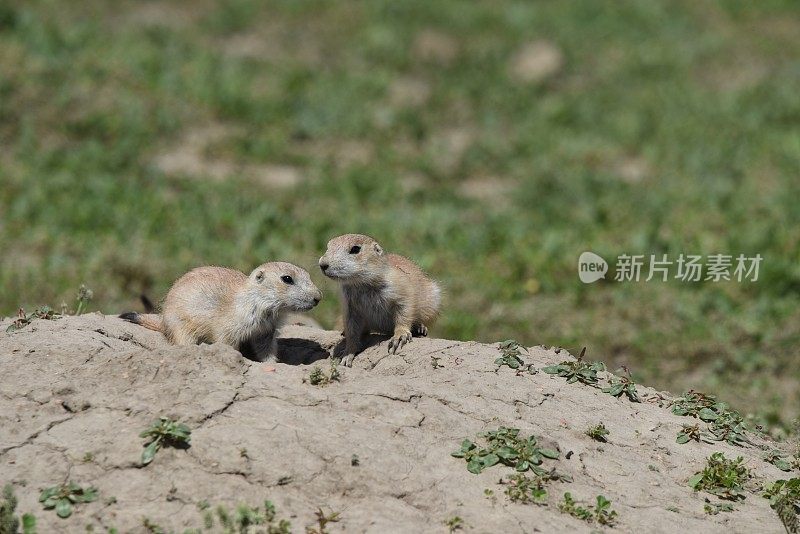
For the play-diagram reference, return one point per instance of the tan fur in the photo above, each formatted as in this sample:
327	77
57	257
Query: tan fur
215	304
382	293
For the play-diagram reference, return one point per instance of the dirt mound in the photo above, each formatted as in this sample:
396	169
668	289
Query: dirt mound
374	446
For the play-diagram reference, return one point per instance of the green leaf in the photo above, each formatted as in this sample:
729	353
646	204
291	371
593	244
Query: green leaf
552	369
695	480
707	414
149	452
63	508
782	464
549	453
475	466
506	453
490	459
523	466
46	494
682	438
28	524
88	495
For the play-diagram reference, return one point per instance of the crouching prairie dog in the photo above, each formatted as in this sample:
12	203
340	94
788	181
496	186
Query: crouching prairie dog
215	304
382	293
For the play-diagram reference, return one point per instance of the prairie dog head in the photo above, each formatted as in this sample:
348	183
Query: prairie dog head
353	259
284	286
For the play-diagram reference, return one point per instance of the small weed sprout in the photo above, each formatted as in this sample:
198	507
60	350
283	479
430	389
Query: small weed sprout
784	498
722	477
63	497
601	512
781	461
511	357
84	296
724	424
454	523
322	522
598	432
246	517
577	370
713	508
9	522
524	490
435	362
317	376
692	433
22	320
164	432
622	385
354	461
696	404
505	446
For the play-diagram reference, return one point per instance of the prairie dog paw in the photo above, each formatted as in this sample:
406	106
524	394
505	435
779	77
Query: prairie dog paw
347	361
419	330
401	337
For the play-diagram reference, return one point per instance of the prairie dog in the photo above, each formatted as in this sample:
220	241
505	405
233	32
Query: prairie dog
382	293
215	304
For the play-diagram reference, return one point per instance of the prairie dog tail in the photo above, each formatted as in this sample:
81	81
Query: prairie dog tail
151	321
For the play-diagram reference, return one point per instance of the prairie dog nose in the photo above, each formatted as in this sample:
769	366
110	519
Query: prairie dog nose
324	266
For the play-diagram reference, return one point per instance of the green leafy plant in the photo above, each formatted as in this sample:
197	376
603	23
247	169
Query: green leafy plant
322	522
598	432
84	296
713	508
724	424
784	498
22	320
730	428
318	377
577	370
505	446
782	461
63	497
622	385
722	477
435	362
454	523
511	355
526	490
700	405
601	512
9	522
245	518
692	433
164	432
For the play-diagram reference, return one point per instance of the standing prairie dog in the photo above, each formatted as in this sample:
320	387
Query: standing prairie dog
382	293
215	304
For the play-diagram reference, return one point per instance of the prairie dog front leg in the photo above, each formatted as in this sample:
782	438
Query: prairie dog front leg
402	330
353	332
266	348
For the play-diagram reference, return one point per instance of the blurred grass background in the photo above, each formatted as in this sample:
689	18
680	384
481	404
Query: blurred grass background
491	141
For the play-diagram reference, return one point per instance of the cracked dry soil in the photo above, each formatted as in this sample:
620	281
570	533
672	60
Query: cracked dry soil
76	392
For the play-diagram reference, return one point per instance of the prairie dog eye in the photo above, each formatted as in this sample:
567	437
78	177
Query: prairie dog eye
355	249
287	279
260	276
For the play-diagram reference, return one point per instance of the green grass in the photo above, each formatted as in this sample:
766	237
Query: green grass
669	129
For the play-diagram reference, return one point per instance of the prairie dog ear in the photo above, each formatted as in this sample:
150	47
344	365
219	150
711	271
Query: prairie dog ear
260	276
378	249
